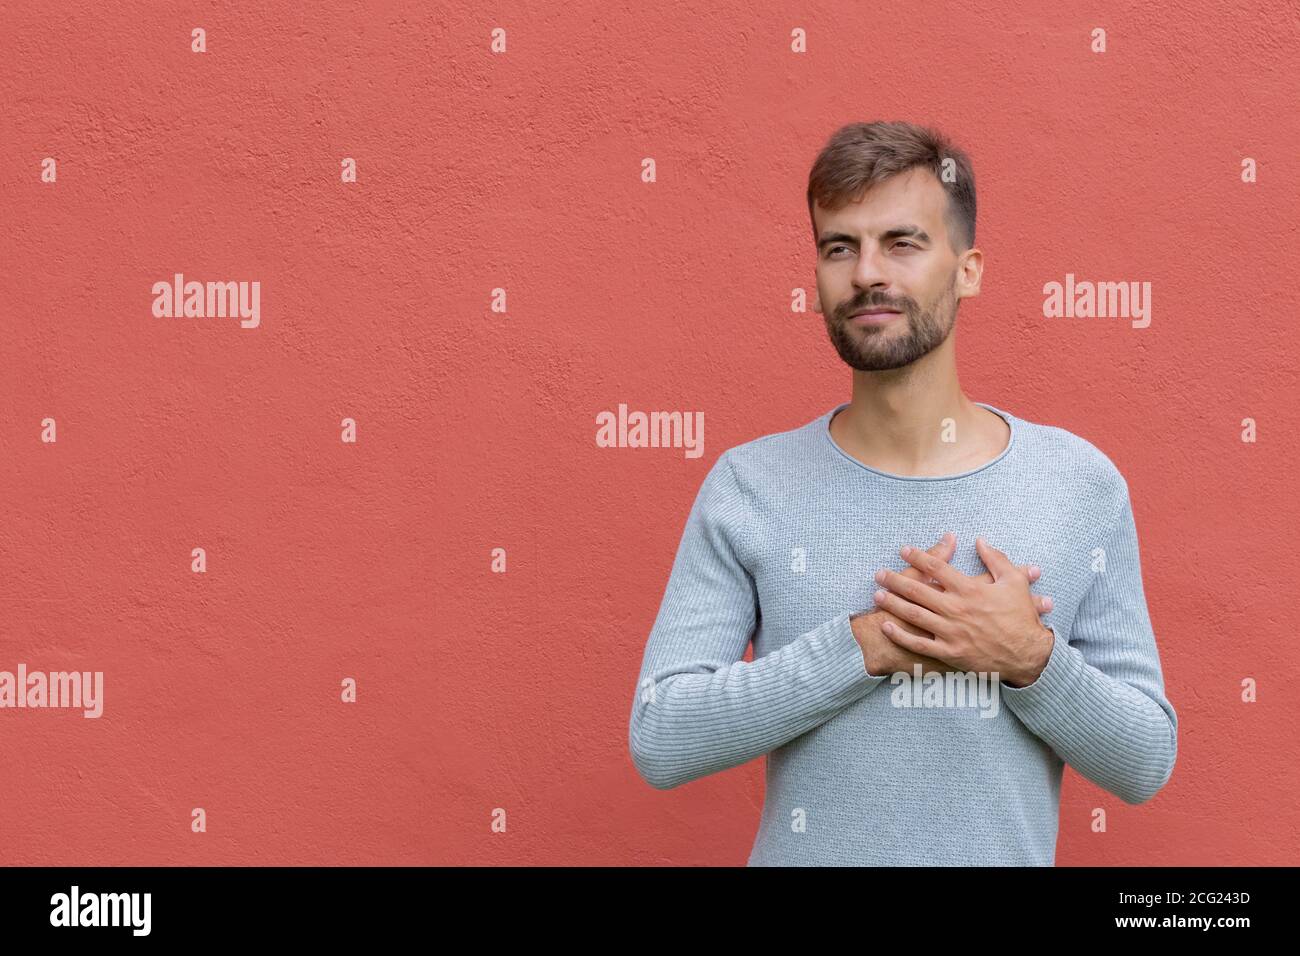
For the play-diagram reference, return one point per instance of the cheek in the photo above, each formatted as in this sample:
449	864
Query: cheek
830	290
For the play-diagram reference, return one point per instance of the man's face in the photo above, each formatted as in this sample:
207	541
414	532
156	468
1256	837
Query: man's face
891	250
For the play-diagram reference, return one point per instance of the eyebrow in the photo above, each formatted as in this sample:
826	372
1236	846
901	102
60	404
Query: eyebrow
907	231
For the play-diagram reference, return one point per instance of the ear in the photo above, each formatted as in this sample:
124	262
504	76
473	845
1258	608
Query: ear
970	271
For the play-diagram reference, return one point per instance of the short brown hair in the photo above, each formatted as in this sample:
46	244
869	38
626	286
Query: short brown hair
860	155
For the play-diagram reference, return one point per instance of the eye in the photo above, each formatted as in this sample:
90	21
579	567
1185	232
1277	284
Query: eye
904	242
831	250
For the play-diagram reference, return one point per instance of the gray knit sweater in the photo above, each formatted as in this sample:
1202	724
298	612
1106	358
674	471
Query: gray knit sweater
781	546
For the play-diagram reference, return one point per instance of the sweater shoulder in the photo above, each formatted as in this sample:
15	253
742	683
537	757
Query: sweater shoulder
769	462
1077	463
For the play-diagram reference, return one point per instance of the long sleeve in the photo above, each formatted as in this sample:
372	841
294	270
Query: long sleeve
699	708
1100	701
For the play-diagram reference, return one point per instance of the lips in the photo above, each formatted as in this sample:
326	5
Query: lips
874	318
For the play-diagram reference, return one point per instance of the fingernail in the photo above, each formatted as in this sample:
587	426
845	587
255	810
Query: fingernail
905	550
880	576
879	596
1049	603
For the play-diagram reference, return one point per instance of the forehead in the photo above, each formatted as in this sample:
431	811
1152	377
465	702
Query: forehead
914	196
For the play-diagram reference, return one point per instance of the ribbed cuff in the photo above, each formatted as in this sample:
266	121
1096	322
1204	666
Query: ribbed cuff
851	663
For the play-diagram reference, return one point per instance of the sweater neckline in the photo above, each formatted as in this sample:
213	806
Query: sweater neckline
825	429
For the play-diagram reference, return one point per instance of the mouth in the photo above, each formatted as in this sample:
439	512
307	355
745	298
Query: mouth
874	316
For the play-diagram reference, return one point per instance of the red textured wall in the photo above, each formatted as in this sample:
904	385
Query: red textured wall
475	429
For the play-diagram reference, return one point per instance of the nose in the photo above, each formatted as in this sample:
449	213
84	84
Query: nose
869	274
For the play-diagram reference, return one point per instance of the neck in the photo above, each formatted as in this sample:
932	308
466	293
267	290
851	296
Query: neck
915	420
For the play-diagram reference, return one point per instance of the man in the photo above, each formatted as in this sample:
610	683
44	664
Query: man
800	540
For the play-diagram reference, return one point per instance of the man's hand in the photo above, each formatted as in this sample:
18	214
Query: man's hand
977	625
884	656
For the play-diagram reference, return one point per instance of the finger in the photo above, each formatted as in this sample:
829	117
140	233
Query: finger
922	617
943	550
908	628
946	548
915	591
999	564
932	567
931	647
1043	603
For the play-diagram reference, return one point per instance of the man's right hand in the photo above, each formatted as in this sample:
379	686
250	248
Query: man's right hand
882	656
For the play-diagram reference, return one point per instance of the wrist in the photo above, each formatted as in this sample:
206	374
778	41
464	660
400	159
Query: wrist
866	631
1043	645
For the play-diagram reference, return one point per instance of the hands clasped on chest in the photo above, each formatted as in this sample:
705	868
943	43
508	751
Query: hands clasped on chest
933	615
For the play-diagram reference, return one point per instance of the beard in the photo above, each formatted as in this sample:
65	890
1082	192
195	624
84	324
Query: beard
879	348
